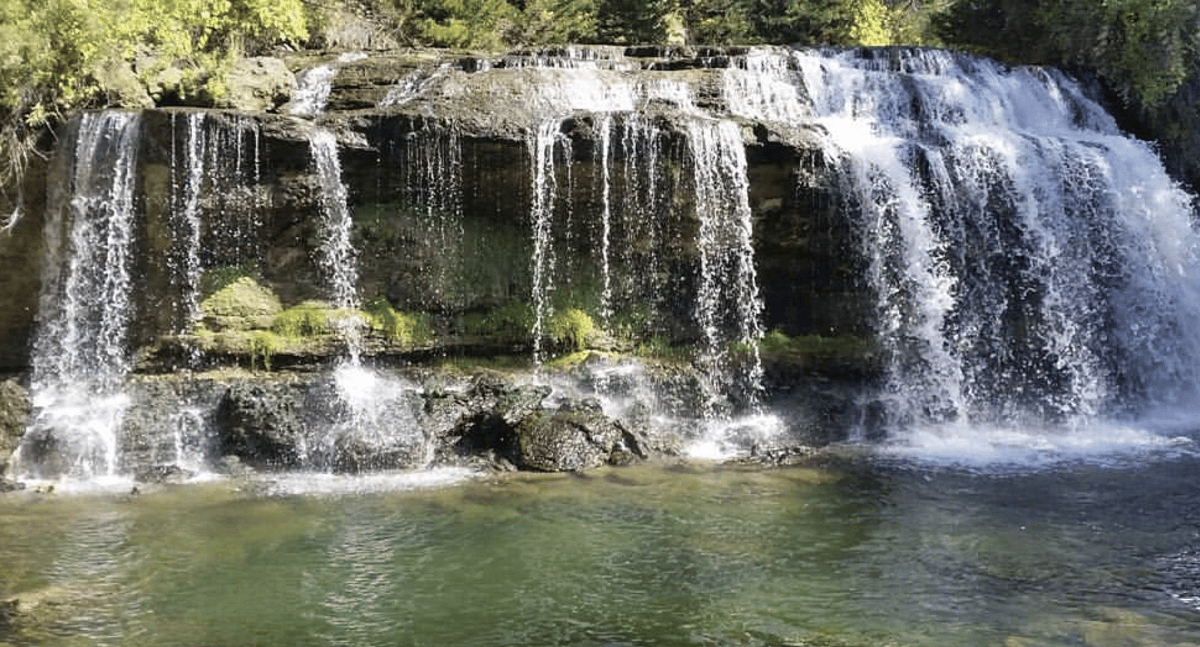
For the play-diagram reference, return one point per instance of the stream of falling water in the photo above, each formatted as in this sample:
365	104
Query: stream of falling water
80	352
1033	267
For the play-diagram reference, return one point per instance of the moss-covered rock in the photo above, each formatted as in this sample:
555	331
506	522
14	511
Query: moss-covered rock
241	305
576	436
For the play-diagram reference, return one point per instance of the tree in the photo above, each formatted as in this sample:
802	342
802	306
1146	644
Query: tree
1143	49
633	21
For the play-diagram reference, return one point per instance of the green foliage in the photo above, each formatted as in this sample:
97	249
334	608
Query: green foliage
509	323
467	23
52	51
571	329
304	320
1144	49
555	22
720	22
264	345
633	21
405	328
872	24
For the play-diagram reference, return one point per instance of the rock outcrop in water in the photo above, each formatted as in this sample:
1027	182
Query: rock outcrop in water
862	240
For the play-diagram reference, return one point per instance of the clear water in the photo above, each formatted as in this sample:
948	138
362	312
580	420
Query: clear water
865	551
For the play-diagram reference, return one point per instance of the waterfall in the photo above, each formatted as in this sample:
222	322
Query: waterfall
727	298
80	352
545	188
336	253
603	154
314	85
215	208
1030	263
185	218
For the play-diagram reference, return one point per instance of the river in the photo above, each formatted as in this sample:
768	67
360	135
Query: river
863	547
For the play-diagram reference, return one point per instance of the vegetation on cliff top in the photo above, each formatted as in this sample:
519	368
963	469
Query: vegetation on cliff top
54	54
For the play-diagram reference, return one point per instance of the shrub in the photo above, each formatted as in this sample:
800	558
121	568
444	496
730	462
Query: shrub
406	328
264	344
571	329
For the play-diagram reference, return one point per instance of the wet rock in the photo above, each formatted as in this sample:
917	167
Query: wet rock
576	436
15	407
260	424
10	486
354	453
481	418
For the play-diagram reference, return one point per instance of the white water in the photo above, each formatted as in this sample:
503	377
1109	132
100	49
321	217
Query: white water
336	254
80	352
186	220
605	151
545	188
314	85
1036	270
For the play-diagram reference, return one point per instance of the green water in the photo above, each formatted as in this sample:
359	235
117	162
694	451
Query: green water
858	553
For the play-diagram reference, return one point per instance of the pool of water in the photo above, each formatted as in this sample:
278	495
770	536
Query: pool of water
869	550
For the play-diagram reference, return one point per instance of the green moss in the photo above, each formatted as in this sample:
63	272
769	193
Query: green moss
571	329
658	347
218	278
571	360
306	319
405	328
509	323
777	343
264	345
242	304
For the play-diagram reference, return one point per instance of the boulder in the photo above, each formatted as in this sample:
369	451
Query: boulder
15	408
122	87
260	425
481	420
576	436
259	84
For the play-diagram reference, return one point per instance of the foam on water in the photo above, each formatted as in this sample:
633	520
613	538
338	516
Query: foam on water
997	448
323	483
724	439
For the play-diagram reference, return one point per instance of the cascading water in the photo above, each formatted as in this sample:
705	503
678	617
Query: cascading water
727	307
314	85
80	354
187	223
215	172
727	297
542	151
337	255
1032	265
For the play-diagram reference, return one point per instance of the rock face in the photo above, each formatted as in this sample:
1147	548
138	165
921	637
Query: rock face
14	415
489	421
261	425
258	84
471	207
